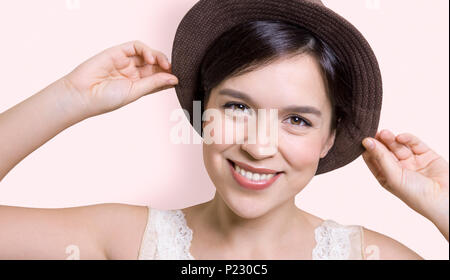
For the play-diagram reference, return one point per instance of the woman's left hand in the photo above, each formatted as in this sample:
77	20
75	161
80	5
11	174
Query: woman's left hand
409	169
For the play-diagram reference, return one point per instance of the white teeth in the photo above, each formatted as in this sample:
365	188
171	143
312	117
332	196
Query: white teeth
253	176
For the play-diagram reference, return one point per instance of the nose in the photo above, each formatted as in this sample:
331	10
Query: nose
262	141
258	151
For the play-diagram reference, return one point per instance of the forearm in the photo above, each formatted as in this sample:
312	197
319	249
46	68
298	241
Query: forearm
438	211
34	121
441	223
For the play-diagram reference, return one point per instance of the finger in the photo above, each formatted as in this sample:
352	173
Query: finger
138	61
413	142
137	48
376	170
386	161
401	151
163	61
372	164
151	84
150	55
148	70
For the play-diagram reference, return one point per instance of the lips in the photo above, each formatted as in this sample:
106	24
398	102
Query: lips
253	178
254	169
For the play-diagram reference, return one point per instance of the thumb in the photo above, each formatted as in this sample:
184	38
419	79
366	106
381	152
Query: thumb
152	84
389	172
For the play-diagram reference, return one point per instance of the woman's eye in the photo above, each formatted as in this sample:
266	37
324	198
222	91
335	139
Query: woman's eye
237	107
296	120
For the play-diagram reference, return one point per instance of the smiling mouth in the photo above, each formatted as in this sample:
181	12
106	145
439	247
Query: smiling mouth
252	179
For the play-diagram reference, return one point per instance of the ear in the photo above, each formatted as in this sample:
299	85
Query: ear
328	144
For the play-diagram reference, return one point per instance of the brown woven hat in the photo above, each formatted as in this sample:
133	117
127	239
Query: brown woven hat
208	19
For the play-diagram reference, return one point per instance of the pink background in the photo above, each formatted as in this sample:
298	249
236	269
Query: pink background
125	156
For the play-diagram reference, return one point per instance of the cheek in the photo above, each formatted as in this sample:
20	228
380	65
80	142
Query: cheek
216	142
301	152
214	160
221	129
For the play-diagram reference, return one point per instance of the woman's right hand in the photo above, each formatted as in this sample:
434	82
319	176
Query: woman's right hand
118	76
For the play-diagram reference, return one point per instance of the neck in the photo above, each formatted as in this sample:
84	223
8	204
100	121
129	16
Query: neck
279	224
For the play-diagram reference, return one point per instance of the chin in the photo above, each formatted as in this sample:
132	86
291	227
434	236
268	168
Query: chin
246	206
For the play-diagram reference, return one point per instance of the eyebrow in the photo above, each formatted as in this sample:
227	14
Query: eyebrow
297	109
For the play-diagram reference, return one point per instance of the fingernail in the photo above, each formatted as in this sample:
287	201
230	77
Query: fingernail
368	143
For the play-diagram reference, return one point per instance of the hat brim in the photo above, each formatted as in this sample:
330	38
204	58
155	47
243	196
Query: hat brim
208	19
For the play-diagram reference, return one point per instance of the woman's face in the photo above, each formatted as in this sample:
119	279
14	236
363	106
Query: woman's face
303	136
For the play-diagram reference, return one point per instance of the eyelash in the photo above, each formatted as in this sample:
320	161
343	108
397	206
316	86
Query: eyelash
231	104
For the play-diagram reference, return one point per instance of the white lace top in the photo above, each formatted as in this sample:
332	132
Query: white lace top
167	237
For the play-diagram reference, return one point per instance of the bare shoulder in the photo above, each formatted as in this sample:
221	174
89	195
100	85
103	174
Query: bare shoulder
375	245
313	220
121	227
379	246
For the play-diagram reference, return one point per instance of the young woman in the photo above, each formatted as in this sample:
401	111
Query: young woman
253	215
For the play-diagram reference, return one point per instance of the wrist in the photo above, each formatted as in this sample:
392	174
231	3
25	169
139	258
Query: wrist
441	221
69	101
436	209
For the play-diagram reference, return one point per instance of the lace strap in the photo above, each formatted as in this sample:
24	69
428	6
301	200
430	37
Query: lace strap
167	236
147	251
338	242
